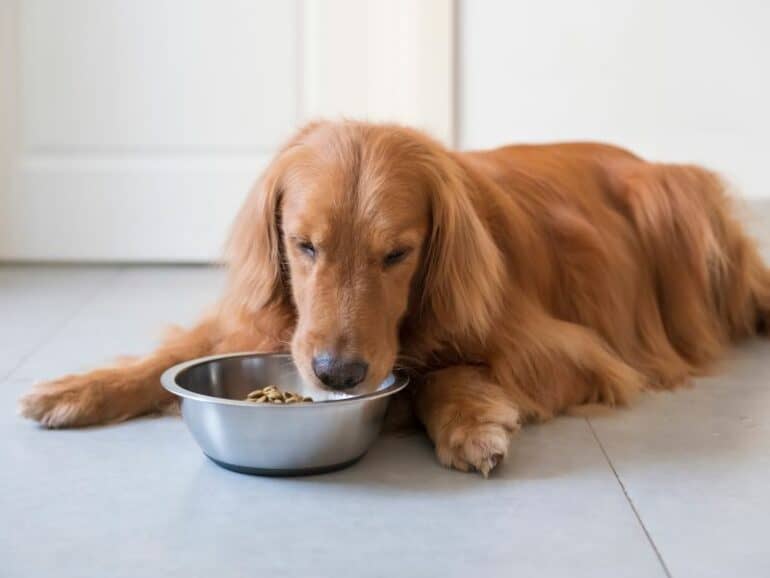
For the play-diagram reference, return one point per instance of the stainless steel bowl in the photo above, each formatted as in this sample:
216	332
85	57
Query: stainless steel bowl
332	432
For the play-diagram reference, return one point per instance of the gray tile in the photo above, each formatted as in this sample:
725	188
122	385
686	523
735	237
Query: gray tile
696	464
127	320
36	301
139	499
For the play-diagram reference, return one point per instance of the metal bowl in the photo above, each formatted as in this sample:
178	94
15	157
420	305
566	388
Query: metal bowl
332	432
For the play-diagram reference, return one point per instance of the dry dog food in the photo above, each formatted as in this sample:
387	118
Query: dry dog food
271	394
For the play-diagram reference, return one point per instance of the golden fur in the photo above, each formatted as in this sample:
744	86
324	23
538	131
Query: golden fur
534	279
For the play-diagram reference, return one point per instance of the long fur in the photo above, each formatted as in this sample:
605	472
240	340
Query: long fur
552	276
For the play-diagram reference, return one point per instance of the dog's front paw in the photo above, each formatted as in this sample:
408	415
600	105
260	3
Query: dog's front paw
71	401
479	447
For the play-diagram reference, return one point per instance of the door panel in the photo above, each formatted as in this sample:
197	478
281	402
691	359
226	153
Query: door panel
132	130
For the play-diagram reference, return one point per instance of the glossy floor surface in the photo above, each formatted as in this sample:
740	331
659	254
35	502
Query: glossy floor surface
679	485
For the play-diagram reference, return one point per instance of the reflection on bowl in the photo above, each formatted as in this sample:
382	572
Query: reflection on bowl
303	438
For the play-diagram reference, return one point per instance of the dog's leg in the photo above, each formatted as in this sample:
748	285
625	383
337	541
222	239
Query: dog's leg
546	367
550	366
119	392
468	417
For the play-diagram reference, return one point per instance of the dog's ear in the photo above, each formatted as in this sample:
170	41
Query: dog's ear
463	270
255	255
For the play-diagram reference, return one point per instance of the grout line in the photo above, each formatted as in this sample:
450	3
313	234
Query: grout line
59	327
628	499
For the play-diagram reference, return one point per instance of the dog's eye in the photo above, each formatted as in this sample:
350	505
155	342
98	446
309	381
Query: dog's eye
307	248
395	256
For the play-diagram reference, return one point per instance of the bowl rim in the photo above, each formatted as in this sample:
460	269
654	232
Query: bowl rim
168	381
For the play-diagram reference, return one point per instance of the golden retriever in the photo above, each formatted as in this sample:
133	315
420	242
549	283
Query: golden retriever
515	283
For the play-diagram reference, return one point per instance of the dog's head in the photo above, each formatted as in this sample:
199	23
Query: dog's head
354	227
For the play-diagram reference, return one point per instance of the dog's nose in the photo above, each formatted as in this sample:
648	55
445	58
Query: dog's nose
339	373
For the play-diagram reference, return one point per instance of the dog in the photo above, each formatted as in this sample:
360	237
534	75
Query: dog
515	284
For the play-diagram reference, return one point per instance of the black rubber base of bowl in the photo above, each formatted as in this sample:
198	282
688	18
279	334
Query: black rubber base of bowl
284	472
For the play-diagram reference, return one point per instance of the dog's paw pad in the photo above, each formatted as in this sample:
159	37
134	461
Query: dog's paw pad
478	447
61	403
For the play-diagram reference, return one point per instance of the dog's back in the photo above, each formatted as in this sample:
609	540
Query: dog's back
649	255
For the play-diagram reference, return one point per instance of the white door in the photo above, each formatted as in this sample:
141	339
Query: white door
130	130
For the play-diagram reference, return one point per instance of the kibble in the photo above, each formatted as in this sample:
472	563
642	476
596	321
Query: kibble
271	394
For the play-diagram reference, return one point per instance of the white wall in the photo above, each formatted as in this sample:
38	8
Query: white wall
677	80
131	130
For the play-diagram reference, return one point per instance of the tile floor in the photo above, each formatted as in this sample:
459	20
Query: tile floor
677	486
